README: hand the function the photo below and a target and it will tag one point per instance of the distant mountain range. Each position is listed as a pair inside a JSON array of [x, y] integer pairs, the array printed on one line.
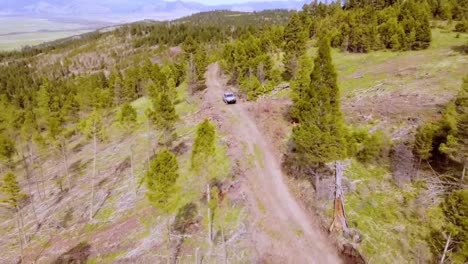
[[128, 10]]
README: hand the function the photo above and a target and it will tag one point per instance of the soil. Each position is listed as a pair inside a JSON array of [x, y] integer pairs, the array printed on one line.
[[281, 230]]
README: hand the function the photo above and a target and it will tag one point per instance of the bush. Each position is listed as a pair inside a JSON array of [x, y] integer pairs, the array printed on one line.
[[252, 87], [367, 147], [127, 115], [456, 212], [7, 148], [185, 216], [461, 26]]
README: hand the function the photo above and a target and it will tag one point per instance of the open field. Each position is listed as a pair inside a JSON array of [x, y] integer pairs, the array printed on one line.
[[397, 91], [16, 32]]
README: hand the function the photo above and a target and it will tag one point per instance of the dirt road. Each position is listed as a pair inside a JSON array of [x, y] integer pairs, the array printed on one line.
[[281, 230]]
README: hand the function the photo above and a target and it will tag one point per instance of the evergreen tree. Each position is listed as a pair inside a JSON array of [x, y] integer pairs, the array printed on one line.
[[161, 180], [190, 46], [12, 198], [455, 209], [12, 191], [127, 115], [295, 39], [300, 86], [456, 145], [132, 84], [43, 102], [164, 117], [7, 148], [424, 140], [319, 137], [201, 62], [204, 145], [251, 86], [116, 85], [414, 18]]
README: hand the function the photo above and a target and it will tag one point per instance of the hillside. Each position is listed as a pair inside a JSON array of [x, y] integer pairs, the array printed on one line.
[[116, 147]]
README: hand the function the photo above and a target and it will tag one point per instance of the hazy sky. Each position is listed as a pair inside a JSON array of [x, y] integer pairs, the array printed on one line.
[[220, 2]]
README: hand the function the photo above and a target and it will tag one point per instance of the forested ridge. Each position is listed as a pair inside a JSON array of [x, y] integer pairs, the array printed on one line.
[[67, 107]]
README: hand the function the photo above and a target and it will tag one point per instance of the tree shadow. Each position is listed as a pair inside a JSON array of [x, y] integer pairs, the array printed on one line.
[[78, 254], [462, 49]]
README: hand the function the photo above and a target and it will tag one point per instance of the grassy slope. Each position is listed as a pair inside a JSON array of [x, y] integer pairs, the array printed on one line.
[[395, 222], [393, 91], [125, 226]]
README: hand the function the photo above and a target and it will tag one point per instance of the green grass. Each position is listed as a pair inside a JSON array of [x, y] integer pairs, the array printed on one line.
[[141, 105], [439, 64], [105, 213], [106, 258], [394, 227]]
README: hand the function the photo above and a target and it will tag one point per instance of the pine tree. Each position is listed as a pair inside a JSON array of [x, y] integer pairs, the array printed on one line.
[[456, 118], [201, 62], [251, 86], [116, 84], [295, 39], [43, 105], [455, 209], [131, 84], [161, 185], [300, 86], [127, 115], [161, 180], [13, 196], [424, 141], [12, 191], [204, 146], [319, 137], [7, 148], [164, 117]]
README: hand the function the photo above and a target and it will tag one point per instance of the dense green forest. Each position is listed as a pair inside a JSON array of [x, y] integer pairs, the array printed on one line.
[[46, 104]]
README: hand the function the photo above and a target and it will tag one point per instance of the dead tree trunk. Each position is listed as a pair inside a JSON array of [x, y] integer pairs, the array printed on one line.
[[135, 182], [63, 148], [447, 244], [31, 161], [41, 168], [225, 254], [463, 172], [19, 234], [208, 199], [91, 210], [21, 222], [339, 221], [196, 255], [168, 245], [150, 144], [28, 179]]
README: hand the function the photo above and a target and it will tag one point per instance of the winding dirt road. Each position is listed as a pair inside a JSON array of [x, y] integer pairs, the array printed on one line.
[[281, 230]]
